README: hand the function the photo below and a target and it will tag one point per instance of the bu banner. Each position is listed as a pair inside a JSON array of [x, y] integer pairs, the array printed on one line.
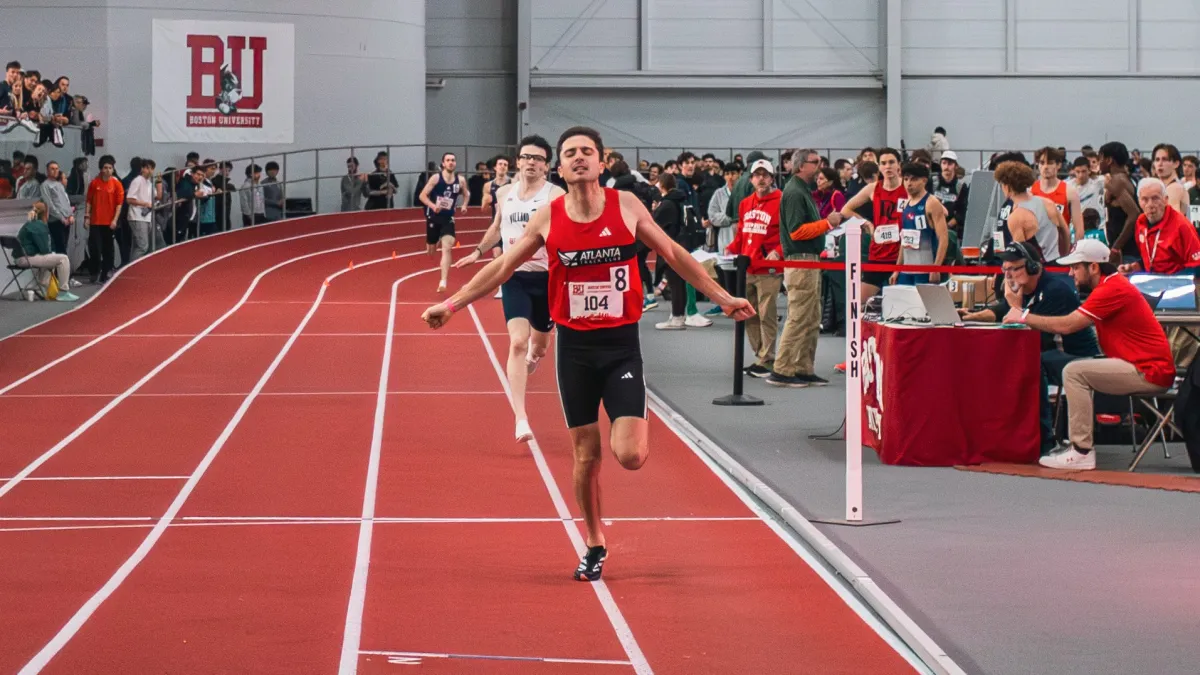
[[223, 82]]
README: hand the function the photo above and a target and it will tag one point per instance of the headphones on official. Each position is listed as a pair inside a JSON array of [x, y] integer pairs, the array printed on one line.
[[1032, 266]]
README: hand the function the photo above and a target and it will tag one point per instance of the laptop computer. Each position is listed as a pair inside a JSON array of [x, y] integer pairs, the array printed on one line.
[[939, 306]]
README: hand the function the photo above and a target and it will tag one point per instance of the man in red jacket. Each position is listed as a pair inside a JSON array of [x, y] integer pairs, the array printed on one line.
[[757, 238], [1168, 243], [1166, 238]]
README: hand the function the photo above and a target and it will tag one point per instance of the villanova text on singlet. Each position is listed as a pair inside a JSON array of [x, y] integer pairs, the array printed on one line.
[[515, 214], [594, 279], [445, 194], [887, 205], [918, 239]]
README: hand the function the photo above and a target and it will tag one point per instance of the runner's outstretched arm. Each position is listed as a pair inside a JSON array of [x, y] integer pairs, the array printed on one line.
[[494, 273], [681, 261], [490, 238]]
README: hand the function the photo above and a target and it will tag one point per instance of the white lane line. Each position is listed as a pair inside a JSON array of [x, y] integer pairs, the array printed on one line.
[[348, 302], [64, 635], [170, 296], [206, 394], [102, 412], [716, 459], [384, 519], [255, 335], [620, 626], [406, 658], [352, 631], [259, 522], [61, 478]]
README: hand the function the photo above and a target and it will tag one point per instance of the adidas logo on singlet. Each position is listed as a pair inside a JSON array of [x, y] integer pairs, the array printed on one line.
[[605, 233]]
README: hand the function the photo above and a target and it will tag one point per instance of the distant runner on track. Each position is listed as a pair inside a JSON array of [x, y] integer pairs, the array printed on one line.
[[595, 297], [526, 304]]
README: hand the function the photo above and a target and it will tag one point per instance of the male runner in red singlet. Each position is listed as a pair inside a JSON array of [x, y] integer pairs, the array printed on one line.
[[888, 196], [595, 297]]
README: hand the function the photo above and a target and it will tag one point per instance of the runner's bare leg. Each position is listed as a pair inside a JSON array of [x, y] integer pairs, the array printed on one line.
[[447, 257], [518, 371], [629, 440], [586, 476]]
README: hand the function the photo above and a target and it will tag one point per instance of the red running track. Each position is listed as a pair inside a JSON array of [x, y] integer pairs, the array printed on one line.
[[189, 491]]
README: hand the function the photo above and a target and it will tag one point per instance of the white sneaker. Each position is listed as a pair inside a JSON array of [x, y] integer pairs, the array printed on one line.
[[524, 433], [1070, 460], [674, 323], [697, 321], [75, 283]]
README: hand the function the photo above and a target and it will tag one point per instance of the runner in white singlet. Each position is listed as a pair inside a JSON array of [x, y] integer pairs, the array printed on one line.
[[526, 307]]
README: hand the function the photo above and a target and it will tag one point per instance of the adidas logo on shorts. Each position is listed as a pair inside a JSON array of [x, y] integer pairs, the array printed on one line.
[[627, 376]]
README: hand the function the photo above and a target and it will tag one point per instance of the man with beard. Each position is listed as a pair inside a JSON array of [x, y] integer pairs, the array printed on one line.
[[1137, 356]]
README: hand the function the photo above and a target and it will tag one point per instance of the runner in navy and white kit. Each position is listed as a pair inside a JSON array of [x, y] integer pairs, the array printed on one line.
[[595, 298], [499, 167], [526, 306], [439, 196]]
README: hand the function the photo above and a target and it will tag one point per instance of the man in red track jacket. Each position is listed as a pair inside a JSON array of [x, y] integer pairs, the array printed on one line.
[[1168, 243], [757, 238], [1165, 237]]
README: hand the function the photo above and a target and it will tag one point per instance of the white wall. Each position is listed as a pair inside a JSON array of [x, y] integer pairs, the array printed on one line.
[[471, 46], [715, 119], [1061, 77]]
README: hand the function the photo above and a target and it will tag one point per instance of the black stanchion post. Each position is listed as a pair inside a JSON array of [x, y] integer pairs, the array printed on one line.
[[739, 347]]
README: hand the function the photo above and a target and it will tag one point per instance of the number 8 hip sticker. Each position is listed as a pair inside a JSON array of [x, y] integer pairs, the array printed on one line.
[[620, 278]]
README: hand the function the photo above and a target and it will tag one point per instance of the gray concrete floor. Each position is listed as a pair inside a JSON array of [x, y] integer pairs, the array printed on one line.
[[1010, 575], [17, 314]]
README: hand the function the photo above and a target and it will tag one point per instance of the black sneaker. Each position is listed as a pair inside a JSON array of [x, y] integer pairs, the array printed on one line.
[[814, 380], [794, 381], [757, 371], [591, 564]]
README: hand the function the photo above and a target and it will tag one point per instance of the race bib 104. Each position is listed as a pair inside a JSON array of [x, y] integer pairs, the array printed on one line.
[[590, 299]]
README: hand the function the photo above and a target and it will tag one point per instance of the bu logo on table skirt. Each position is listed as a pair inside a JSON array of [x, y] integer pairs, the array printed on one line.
[[872, 375]]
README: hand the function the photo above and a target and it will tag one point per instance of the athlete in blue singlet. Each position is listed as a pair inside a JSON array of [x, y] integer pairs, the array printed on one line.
[[439, 196], [924, 239]]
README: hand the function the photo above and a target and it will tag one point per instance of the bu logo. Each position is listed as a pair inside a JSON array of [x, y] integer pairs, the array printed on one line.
[[227, 92]]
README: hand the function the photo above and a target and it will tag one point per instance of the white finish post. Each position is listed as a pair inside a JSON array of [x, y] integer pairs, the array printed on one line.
[[852, 245]]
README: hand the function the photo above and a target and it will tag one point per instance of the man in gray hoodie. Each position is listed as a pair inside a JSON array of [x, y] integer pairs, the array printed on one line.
[[62, 214]]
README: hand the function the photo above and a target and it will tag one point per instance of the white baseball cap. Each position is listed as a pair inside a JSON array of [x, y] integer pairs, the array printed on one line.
[[950, 155], [764, 164], [1086, 251]]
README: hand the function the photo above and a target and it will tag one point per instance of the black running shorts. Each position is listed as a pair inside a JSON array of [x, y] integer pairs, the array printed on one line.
[[600, 366], [524, 296], [436, 228]]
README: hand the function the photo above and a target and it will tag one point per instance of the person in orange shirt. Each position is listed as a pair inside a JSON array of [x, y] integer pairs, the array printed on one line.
[[105, 196]]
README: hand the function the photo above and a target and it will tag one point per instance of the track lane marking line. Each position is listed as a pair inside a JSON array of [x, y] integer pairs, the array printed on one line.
[[103, 412], [352, 629], [170, 296], [76, 622], [619, 625]]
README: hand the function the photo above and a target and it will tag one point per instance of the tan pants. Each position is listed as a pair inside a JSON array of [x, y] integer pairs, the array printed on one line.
[[56, 262], [762, 290], [798, 341], [1107, 376]]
